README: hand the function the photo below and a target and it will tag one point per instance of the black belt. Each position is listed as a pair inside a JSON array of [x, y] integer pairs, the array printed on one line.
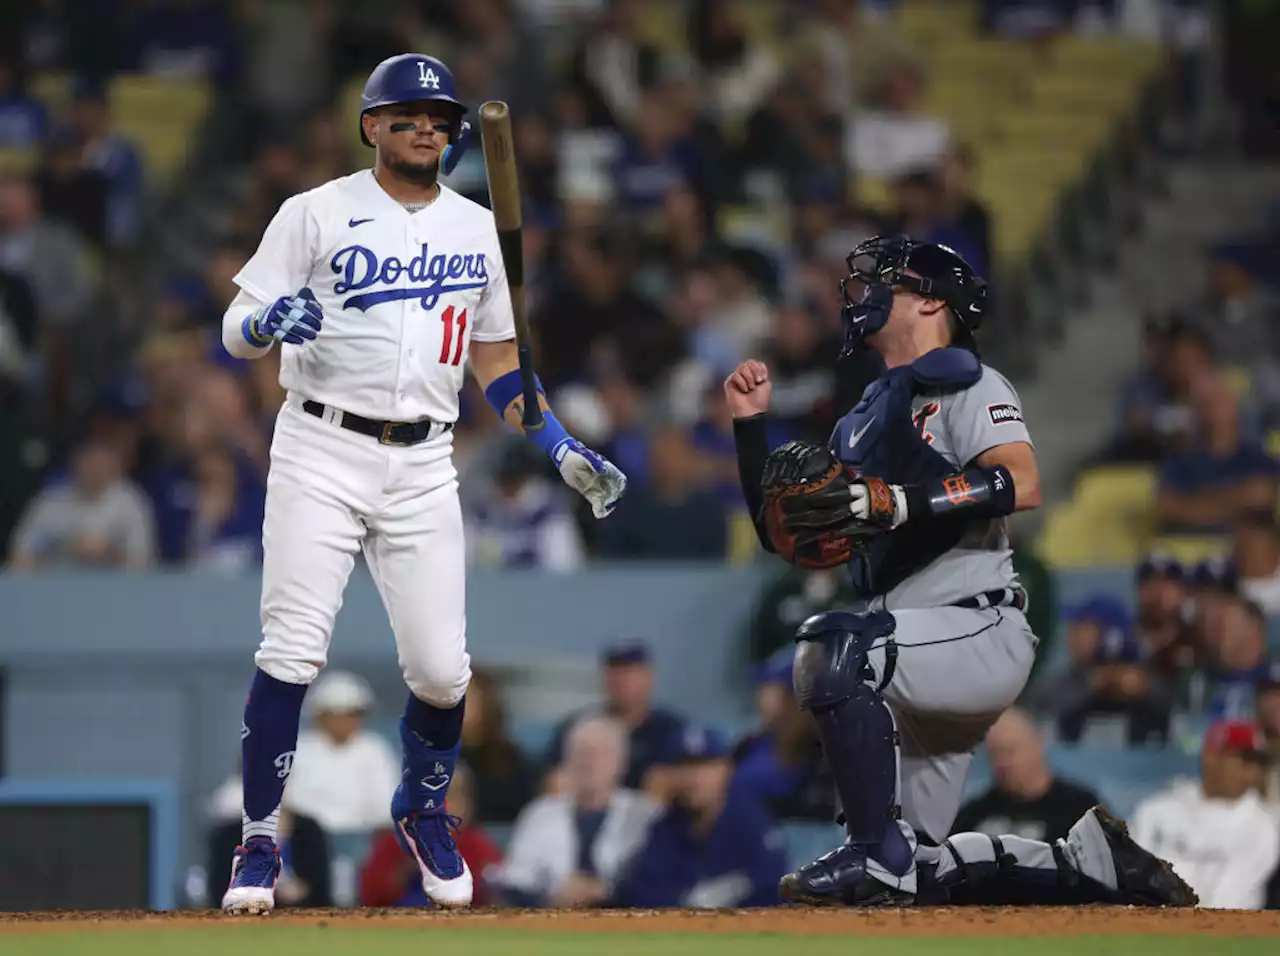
[[1000, 597], [389, 433]]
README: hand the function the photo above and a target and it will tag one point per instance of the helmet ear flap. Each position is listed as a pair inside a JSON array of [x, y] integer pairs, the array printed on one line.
[[457, 146]]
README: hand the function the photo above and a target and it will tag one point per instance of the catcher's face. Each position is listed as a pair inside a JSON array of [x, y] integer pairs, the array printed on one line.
[[909, 310], [411, 137]]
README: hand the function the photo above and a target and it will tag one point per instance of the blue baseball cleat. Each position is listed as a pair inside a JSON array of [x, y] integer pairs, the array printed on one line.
[[255, 869], [427, 836], [840, 878]]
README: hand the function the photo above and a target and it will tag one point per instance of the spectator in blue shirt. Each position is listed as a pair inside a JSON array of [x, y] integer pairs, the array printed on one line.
[[209, 511], [658, 157], [1120, 685], [1210, 486], [1239, 658], [652, 732], [113, 157], [23, 120], [781, 765], [716, 846]]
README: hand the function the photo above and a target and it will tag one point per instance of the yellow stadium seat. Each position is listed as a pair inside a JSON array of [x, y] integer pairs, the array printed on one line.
[[1111, 56], [18, 162], [52, 89], [1273, 443], [1109, 518], [663, 24], [744, 545], [161, 115]]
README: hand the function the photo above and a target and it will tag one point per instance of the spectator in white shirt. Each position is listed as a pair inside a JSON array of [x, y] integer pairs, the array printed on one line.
[[1266, 703], [342, 775], [1256, 555], [98, 519], [567, 849], [896, 136], [1217, 832]]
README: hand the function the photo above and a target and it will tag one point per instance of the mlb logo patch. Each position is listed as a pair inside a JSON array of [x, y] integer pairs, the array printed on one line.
[[1004, 413]]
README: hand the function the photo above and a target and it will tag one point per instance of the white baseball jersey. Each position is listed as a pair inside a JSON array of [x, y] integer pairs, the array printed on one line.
[[403, 295]]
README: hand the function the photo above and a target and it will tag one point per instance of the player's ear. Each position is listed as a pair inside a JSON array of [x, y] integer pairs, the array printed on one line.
[[369, 123]]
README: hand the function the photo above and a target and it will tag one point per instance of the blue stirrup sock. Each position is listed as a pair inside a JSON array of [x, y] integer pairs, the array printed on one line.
[[430, 738], [504, 389], [268, 739]]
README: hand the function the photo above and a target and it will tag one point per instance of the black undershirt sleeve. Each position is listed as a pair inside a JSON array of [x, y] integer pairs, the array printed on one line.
[[752, 445]]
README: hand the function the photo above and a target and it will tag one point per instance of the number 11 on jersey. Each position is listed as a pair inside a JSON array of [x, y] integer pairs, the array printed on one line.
[[447, 317]]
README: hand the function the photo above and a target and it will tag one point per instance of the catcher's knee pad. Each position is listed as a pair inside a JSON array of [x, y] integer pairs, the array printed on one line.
[[834, 680], [831, 656]]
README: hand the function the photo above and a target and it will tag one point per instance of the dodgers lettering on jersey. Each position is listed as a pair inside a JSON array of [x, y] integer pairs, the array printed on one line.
[[403, 295], [907, 432]]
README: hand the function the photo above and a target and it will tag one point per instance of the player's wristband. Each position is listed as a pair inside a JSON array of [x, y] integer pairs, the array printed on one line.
[[506, 388], [249, 329], [976, 492]]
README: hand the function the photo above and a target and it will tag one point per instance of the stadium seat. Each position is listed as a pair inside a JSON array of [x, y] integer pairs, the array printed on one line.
[[162, 116], [1107, 521]]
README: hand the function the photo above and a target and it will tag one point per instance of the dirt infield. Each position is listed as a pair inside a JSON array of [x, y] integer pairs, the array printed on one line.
[[941, 921]]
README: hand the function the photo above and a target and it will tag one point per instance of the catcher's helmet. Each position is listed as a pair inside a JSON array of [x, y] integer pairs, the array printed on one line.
[[879, 264], [408, 78]]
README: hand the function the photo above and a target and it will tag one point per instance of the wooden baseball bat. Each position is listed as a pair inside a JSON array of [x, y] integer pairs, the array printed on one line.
[[504, 199]]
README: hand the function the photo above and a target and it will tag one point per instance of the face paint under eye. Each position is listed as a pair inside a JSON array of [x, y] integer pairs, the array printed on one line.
[[408, 127]]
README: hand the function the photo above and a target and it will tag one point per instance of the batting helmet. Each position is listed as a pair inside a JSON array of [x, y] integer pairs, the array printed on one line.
[[408, 78], [879, 264]]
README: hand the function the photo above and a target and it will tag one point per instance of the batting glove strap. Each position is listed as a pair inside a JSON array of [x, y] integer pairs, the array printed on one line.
[[250, 327]]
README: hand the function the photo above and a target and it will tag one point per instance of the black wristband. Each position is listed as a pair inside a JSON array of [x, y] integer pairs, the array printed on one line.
[[976, 492], [751, 442]]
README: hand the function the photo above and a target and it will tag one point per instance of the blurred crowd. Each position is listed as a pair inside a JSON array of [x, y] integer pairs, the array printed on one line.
[[129, 440]]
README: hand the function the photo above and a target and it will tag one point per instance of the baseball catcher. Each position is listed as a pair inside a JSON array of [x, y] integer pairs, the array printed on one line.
[[912, 494]]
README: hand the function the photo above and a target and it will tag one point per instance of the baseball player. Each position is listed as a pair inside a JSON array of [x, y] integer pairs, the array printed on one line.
[[380, 287], [912, 492]]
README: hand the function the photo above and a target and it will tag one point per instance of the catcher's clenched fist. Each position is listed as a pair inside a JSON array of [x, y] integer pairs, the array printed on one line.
[[747, 389]]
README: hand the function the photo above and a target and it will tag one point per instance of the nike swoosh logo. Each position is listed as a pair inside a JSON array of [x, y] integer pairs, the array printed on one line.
[[358, 222], [857, 436]]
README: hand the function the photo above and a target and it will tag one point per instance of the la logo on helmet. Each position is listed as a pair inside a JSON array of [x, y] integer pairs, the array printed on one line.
[[427, 77]]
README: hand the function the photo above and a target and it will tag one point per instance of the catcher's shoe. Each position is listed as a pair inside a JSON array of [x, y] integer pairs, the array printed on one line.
[[840, 878], [427, 837], [1141, 877], [255, 869]]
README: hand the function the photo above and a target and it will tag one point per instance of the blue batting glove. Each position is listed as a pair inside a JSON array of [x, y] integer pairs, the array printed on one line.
[[590, 474], [295, 319]]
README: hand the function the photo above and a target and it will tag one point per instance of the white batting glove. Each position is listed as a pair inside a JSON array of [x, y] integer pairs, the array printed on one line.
[[591, 475]]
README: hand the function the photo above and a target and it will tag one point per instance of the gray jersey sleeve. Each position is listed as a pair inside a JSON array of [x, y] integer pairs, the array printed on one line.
[[983, 416]]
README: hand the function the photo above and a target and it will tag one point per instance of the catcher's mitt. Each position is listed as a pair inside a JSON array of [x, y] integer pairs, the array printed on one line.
[[807, 498]]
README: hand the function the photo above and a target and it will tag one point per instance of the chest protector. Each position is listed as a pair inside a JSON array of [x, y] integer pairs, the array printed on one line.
[[878, 438]]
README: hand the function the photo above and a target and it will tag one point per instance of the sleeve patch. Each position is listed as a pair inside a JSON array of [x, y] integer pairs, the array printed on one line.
[[1003, 412]]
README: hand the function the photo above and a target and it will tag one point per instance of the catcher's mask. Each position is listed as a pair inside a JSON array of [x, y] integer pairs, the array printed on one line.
[[878, 269]]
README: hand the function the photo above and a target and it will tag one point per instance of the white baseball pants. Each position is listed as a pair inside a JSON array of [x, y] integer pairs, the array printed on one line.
[[332, 492]]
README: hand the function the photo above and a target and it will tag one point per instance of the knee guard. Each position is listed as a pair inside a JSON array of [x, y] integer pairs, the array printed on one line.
[[834, 680]]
